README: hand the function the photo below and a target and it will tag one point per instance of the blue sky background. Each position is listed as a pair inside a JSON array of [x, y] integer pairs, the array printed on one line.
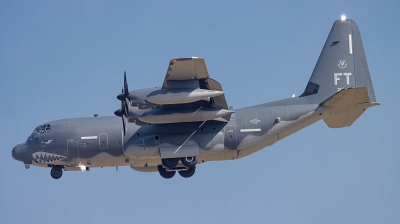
[[64, 59]]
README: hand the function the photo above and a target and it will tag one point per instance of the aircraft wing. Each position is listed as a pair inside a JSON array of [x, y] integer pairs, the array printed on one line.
[[188, 94], [181, 69]]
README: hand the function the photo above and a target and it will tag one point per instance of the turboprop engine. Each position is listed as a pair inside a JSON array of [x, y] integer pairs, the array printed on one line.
[[183, 100], [181, 96], [151, 97]]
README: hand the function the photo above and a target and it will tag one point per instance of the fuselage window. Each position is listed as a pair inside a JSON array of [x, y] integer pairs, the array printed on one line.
[[230, 133], [47, 128]]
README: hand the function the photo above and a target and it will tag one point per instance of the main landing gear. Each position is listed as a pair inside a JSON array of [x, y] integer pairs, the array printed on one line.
[[170, 167], [56, 172]]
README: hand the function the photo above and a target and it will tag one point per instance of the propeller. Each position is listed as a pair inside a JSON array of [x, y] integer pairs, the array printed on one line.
[[125, 99]]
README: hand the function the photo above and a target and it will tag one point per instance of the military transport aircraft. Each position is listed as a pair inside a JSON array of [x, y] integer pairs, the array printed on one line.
[[187, 121]]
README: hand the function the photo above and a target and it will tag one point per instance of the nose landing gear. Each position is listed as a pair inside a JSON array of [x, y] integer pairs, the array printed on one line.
[[56, 172]]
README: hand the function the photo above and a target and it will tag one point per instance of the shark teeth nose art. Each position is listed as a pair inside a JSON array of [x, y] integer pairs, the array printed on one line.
[[45, 157]]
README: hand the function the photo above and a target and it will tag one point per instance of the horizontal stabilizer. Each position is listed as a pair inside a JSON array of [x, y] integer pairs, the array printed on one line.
[[346, 106]]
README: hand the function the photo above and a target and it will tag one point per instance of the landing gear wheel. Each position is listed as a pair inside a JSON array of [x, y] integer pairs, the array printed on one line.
[[170, 163], [189, 161], [163, 172], [56, 172], [188, 173]]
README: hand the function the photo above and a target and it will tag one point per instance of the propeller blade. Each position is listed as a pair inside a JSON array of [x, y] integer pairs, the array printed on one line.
[[126, 107], [121, 111], [125, 100], [124, 123], [126, 91]]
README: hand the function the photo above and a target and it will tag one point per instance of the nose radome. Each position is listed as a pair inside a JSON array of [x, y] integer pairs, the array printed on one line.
[[14, 154], [19, 151]]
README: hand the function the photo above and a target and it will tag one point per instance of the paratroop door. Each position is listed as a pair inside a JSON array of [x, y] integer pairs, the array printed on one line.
[[230, 137]]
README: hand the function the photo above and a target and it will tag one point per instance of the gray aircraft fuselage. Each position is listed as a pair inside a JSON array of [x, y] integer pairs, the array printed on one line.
[[99, 141]]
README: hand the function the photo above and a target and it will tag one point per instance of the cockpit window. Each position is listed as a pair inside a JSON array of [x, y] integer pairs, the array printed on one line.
[[44, 128]]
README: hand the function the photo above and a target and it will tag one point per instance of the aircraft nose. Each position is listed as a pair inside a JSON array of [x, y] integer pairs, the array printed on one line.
[[14, 153], [19, 151]]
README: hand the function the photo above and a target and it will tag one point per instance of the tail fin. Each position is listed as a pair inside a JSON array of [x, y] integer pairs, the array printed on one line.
[[342, 63]]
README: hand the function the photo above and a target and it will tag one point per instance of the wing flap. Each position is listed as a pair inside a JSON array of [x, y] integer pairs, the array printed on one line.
[[219, 101]]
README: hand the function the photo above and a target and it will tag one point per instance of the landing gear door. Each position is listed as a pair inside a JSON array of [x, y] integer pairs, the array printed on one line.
[[230, 137]]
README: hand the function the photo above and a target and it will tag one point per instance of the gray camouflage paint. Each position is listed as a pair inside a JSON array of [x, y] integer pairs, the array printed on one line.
[[99, 141]]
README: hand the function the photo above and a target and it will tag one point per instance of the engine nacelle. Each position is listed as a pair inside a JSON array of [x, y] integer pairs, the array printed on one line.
[[138, 98], [181, 96]]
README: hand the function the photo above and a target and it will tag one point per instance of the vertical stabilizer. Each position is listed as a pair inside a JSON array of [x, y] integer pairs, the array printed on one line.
[[342, 63]]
